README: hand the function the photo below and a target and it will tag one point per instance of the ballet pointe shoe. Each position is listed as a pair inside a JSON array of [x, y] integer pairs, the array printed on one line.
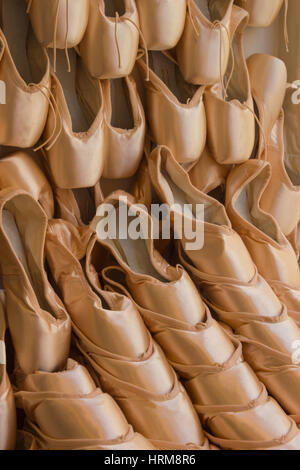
[[58, 24], [233, 288], [203, 49], [114, 27], [268, 80], [124, 128], [38, 323], [131, 367], [74, 132], [183, 326], [283, 189], [19, 170], [268, 93], [262, 13], [270, 250], [7, 403], [175, 109], [25, 80], [229, 108], [66, 411], [161, 23]]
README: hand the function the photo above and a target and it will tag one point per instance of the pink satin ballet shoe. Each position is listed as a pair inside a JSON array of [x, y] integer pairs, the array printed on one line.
[[60, 23], [268, 80], [270, 250], [161, 23], [229, 108], [175, 109], [114, 26], [204, 48], [283, 189], [25, 79], [38, 323], [74, 132], [262, 13], [124, 128]]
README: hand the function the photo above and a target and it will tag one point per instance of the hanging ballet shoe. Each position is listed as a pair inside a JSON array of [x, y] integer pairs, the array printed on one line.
[[59, 24], [114, 26], [74, 132], [114, 340], [175, 109], [262, 13], [19, 170], [204, 48], [38, 323], [229, 108], [7, 403], [25, 79], [161, 23], [124, 128], [268, 80], [234, 289], [66, 411]]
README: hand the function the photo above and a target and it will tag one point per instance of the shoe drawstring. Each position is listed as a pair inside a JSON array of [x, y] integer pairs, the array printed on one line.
[[261, 130], [285, 29], [55, 33], [219, 25], [55, 111], [28, 6], [125, 18]]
